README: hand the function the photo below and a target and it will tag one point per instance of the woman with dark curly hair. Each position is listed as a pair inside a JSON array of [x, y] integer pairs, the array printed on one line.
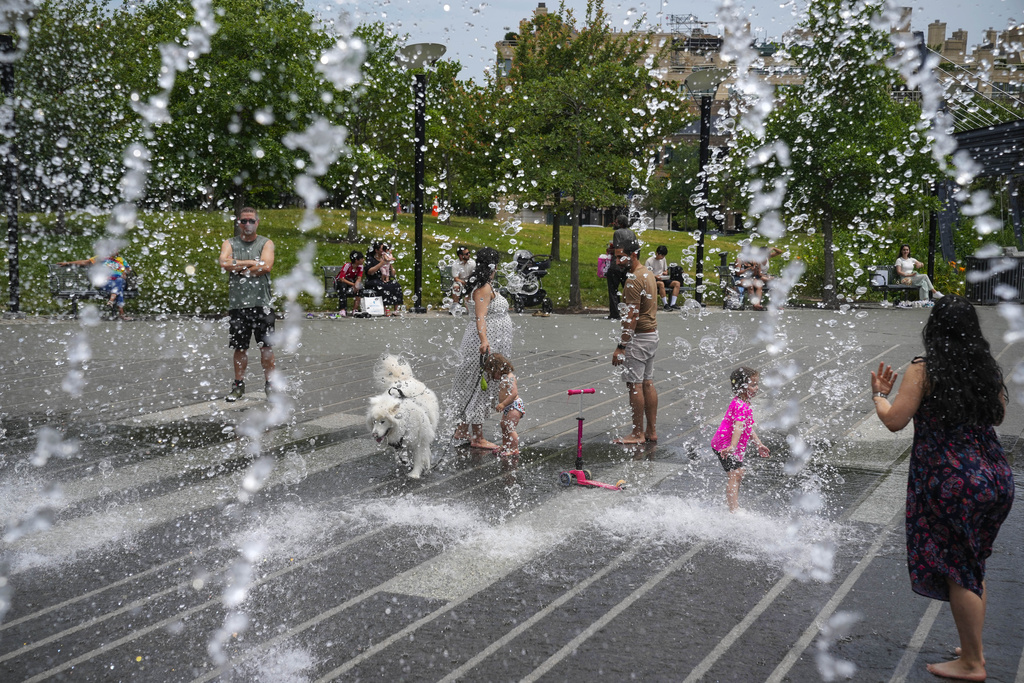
[[488, 329], [960, 487], [380, 278]]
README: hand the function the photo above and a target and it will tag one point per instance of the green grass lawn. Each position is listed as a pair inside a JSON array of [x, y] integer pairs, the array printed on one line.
[[167, 242]]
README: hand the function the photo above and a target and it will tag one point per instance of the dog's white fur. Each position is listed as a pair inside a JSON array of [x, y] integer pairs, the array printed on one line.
[[404, 414]]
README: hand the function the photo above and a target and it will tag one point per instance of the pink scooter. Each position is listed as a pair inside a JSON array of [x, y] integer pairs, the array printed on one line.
[[578, 475]]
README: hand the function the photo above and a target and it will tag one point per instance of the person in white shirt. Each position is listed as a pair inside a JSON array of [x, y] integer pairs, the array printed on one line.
[[658, 265], [461, 270], [906, 270]]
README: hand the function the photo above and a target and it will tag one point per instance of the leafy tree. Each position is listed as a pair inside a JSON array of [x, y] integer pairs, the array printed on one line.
[[463, 124], [675, 182], [858, 158], [231, 108], [583, 115], [72, 118], [377, 117]]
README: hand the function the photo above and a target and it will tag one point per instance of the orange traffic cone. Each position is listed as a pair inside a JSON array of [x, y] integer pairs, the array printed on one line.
[[433, 211]]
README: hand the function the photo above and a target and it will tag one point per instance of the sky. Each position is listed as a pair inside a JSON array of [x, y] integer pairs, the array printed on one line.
[[470, 28]]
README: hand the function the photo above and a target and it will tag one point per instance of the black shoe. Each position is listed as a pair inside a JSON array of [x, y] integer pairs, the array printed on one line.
[[236, 392], [613, 317], [269, 389]]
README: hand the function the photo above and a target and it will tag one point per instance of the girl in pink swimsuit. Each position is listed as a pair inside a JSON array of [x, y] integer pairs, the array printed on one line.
[[736, 430]]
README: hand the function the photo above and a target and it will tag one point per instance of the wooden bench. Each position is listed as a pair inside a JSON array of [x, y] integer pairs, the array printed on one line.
[[73, 284], [884, 279]]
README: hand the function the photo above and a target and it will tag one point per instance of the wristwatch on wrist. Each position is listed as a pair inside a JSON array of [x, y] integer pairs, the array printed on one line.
[[234, 262], [880, 394], [620, 345]]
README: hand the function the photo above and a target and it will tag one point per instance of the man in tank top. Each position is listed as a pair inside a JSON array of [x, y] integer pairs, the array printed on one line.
[[248, 259]]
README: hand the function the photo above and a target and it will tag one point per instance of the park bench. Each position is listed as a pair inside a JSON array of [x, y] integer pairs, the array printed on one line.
[[446, 280], [330, 275], [73, 284], [884, 279], [675, 272], [732, 295]]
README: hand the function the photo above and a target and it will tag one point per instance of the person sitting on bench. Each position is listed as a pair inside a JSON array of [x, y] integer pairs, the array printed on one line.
[[350, 281], [658, 265], [119, 271], [379, 275], [905, 269]]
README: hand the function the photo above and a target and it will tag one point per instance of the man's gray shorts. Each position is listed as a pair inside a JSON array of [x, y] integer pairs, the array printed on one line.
[[639, 363]]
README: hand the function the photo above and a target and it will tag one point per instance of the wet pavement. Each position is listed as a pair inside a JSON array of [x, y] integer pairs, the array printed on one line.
[[142, 543]]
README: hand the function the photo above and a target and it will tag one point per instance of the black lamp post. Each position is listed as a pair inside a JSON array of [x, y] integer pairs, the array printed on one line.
[[10, 172], [702, 86], [420, 56]]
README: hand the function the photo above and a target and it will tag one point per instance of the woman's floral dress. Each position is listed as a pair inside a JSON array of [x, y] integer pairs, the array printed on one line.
[[959, 491]]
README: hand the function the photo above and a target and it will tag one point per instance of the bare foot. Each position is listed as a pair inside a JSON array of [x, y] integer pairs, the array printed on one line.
[[631, 440], [957, 670], [957, 651], [652, 438], [482, 443]]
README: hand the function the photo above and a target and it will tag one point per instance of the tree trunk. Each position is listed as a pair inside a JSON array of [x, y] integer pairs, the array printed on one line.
[[575, 299], [239, 202], [353, 223], [446, 193], [556, 227], [353, 210], [830, 297]]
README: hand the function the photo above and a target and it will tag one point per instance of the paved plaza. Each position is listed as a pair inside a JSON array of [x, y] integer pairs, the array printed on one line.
[[156, 533]]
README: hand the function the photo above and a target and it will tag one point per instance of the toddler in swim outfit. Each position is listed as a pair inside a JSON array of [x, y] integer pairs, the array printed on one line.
[[509, 404], [736, 430]]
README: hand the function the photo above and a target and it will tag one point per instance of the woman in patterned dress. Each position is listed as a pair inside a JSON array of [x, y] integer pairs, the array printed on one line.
[[960, 487], [488, 329]]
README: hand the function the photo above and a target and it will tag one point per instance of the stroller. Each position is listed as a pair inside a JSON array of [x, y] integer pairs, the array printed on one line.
[[531, 269]]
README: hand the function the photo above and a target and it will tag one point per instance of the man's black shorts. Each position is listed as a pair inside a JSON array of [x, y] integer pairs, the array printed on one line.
[[729, 462], [251, 322]]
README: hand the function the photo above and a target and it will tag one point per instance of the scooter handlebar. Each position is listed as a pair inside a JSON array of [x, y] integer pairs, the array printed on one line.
[[574, 392]]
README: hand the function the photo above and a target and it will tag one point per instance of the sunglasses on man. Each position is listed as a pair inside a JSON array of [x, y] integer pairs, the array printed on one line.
[[247, 221]]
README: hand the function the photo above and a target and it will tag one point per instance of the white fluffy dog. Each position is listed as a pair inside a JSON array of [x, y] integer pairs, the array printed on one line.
[[404, 414]]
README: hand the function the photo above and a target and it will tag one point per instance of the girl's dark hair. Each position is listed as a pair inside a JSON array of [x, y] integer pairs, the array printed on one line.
[[899, 254], [486, 262], [355, 256], [964, 380], [741, 377], [377, 244], [496, 361]]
